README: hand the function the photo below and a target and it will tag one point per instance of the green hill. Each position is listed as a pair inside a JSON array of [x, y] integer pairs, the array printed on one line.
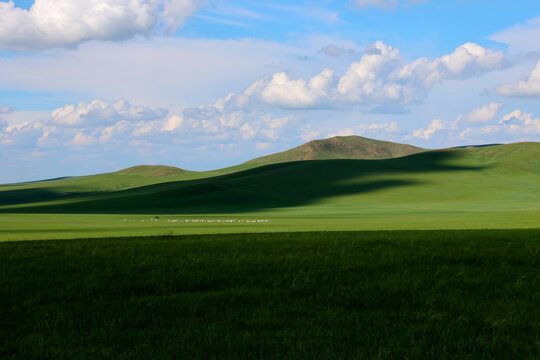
[[340, 147], [70, 187], [498, 177], [353, 147]]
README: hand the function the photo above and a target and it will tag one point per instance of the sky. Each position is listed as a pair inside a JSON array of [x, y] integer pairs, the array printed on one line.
[[92, 86]]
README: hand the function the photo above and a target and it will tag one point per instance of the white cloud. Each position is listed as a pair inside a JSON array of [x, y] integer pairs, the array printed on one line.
[[516, 116], [466, 61], [379, 77], [109, 132], [463, 135], [287, 93], [82, 139], [521, 122], [426, 134], [484, 114], [247, 131], [98, 112], [172, 123], [65, 23], [21, 134], [365, 80], [143, 129], [529, 86], [517, 125]]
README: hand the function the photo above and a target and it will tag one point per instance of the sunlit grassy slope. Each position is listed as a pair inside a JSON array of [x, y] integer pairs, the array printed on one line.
[[504, 176]]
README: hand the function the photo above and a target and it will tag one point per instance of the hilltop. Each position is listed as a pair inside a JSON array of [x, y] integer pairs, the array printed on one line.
[[153, 171], [349, 147], [340, 147]]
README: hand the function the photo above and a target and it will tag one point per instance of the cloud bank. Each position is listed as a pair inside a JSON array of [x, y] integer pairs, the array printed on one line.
[[67, 23], [99, 112], [379, 77]]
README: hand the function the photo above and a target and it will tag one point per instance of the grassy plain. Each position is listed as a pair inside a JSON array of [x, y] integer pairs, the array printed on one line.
[[325, 295], [273, 274], [481, 188]]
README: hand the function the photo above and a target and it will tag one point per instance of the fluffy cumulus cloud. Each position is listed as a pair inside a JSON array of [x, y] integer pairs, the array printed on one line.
[[65, 23], [427, 133], [287, 93], [21, 134], [379, 77], [119, 124], [475, 120], [466, 61], [522, 122], [233, 117], [529, 86], [517, 125], [483, 125], [98, 112], [483, 114], [367, 80]]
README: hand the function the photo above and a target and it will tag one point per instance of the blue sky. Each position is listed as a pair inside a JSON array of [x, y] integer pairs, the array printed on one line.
[[92, 86]]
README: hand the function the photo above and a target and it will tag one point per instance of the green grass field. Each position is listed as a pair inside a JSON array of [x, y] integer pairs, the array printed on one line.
[[431, 255], [325, 295]]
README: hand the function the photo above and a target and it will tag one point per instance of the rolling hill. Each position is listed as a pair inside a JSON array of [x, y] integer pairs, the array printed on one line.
[[497, 177], [350, 147]]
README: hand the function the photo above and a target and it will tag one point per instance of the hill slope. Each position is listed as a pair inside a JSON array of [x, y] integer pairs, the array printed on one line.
[[70, 187], [340, 147], [350, 147], [499, 177]]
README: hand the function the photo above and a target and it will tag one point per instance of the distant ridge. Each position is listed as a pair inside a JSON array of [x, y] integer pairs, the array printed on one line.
[[340, 147], [474, 146], [153, 171]]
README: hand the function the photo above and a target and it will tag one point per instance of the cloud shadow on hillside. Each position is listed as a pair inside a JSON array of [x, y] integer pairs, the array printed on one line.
[[272, 186]]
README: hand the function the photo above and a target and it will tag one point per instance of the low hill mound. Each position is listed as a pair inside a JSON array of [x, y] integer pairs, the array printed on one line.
[[341, 147], [153, 171]]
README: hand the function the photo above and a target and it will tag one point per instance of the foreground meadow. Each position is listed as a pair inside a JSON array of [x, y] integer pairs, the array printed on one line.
[[22, 227], [327, 295]]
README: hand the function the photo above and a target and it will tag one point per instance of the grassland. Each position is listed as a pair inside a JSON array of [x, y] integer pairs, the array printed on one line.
[[272, 273], [325, 295], [480, 188]]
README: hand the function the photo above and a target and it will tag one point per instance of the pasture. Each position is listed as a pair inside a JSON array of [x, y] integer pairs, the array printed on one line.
[[432, 255], [328, 295]]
